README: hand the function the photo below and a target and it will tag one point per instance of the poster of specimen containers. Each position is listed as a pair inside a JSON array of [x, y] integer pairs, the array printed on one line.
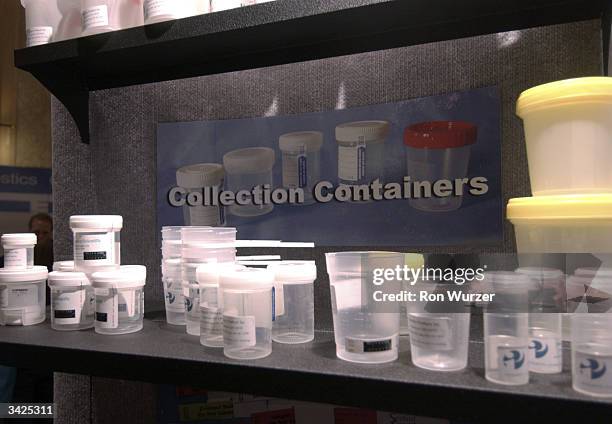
[[418, 172], [56, 20]]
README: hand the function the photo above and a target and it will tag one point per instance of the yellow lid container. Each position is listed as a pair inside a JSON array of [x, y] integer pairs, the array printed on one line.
[[565, 93], [555, 208]]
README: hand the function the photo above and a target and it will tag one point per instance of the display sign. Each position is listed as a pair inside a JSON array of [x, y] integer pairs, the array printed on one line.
[[419, 172]]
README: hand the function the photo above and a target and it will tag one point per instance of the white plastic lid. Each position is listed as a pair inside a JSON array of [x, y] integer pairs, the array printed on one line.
[[171, 233], [209, 273], [63, 266], [126, 276], [97, 222], [68, 279], [30, 275], [18, 240], [246, 279], [200, 175], [289, 272], [252, 160], [309, 141], [366, 131]]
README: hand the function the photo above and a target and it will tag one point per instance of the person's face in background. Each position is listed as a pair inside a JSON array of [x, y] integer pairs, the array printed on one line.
[[43, 231]]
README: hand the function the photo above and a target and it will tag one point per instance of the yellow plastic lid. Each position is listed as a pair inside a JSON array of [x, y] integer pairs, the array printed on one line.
[[574, 207], [564, 93]]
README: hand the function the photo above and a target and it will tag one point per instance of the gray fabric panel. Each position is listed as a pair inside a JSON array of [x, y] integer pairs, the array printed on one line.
[[72, 398], [120, 401]]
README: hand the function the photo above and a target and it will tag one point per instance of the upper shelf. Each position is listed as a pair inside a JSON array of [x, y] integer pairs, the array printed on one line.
[[279, 32]]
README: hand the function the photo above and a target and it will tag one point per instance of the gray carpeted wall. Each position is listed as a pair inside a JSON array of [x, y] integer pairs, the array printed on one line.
[[116, 173]]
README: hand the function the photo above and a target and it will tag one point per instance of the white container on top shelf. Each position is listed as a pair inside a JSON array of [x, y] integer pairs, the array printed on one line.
[[119, 299], [294, 301], [247, 312], [96, 242], [42, 20], [99, 16], [568, 133], [18, 250], [22, 296], [165, 10], [196, 178], [301, 158], [361, 151], [72, 301], [70, 23], [246, 169]]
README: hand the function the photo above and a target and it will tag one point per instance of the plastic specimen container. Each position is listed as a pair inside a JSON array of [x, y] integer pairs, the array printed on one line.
[[301, 158], [592, 354], [22, 296], [568, 134], [438, 150], [18, 250], [196, 178], [119, 299], [165, 10], [171, 242], [173, 291], [294, 293], [247, 312], [99, 16], [364, 330], [73, 301], [97, 245], [70, 23], [219, 5], [361, 151], [246, 169], [64, 266], [42, 19]]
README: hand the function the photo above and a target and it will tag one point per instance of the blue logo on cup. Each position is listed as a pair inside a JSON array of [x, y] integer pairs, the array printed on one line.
[[516, 357], [540, 349], [171, 297], [597, 369], [188, 304]]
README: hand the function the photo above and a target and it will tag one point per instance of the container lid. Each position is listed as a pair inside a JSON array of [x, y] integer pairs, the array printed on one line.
[[366, 131], [248, 161], [294, 271], [68, 279], [309, 141], [126, 276], [246, 279], [440, 135], [564, 93], [171, 233], [30, 275], [540, 272], [208, 235], [18, 240], [200, 175], [567, 207], [209, 273], [64, 266], [97, 222]]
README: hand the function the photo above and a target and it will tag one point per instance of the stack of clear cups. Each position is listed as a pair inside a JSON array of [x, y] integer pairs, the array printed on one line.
[[171, 275], [202, 245]]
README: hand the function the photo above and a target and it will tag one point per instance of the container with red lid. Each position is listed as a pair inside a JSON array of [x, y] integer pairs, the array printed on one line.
[[437, 151]]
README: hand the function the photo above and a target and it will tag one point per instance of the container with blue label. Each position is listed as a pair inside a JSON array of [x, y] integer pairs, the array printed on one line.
[[301, 161], [592, 354]]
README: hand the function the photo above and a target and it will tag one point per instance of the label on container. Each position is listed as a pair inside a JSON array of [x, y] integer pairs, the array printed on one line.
[[127, 303], [18, 296], [278, 299], [155, 8], [107, 311], [545, 354], [211, 320], [430, 332], [593, 371], [355, 345], [67, 306], [351, 162], [239, 331], [38, 35], [94, 17], [295, 171], [15, 258], [511, 361], [94, 248], [90, 303], [175, 301]]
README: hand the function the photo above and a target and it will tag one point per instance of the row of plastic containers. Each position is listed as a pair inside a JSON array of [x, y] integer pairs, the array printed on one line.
[[56, 20], [93, 290]]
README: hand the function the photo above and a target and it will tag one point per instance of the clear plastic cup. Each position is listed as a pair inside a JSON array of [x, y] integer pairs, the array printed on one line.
[[70, 24], [18, 250], [198, 178], [294, 301], [592, 354], [99, 16], [361, 151], [97, 245], [301, 153], [165, 10], [22, 296], [42, 19], [545, 343], [173, 291], [73, 301], [506, 338], [119, 300], [247, 313], [246, 169], [438, 150], [365, 331]]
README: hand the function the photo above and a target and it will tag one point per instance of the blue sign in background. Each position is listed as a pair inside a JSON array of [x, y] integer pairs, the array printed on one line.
[[375, 223]]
